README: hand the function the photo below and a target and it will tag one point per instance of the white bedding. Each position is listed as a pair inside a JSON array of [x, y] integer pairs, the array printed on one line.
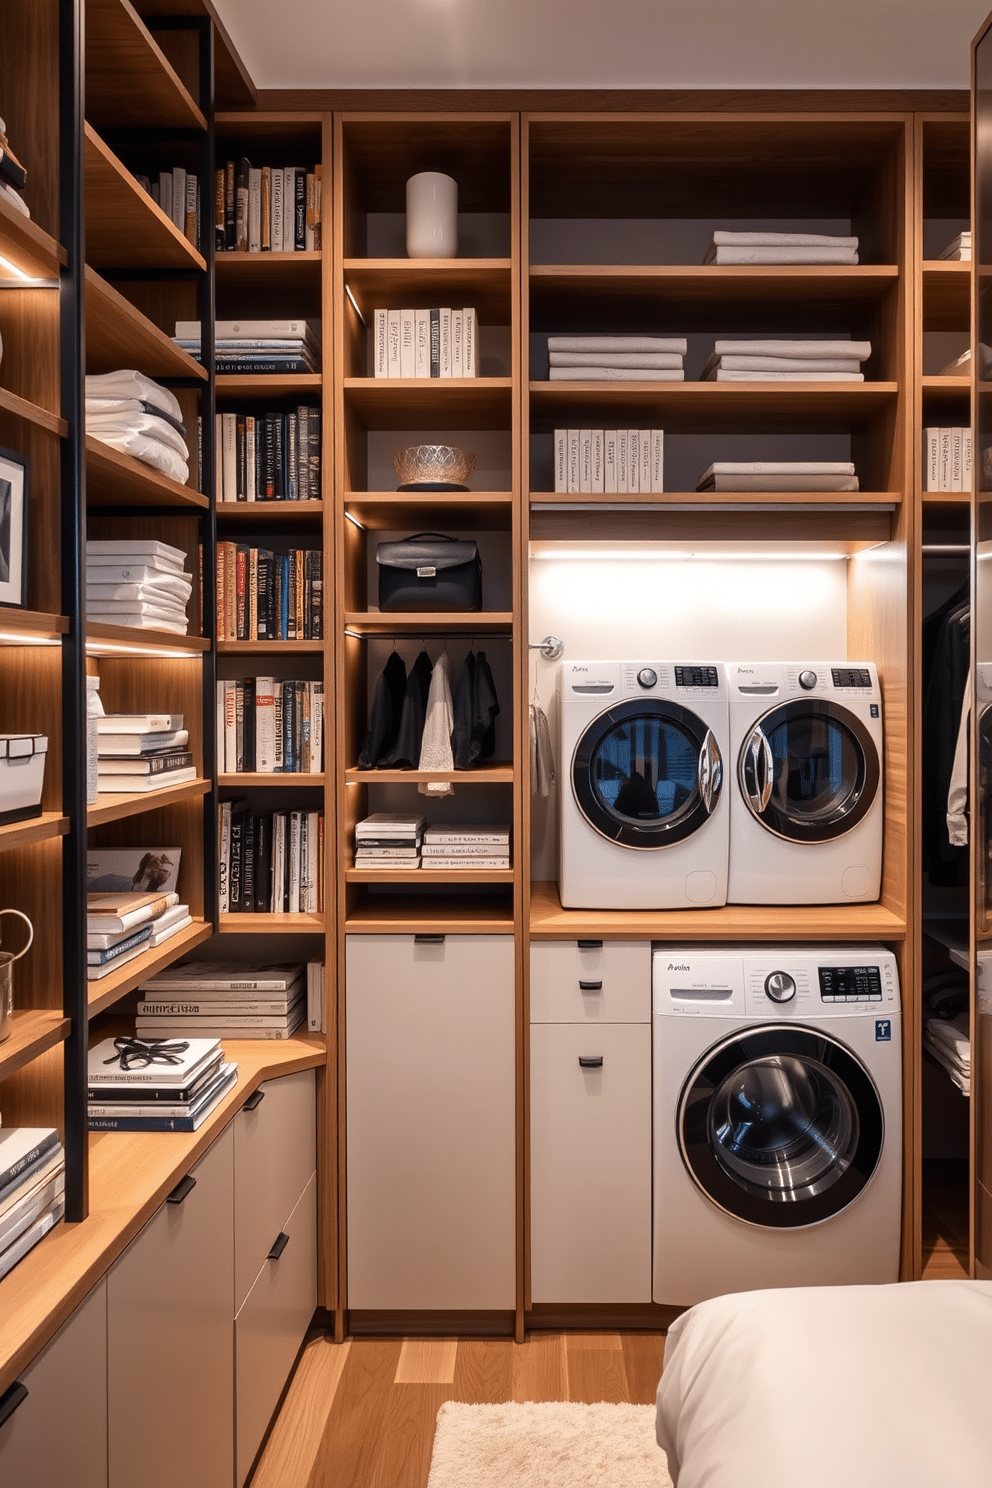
[[832, 1387]]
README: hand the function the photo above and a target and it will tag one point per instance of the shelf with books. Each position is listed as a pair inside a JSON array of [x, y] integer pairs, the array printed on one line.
[[297, 779], [271, 511], [430, 875], [389, 913], [262, 648], [129, 79], [110, 806], [126, 640], [36, 829], [32, 1031], [115, 478], [418, 402], [268, 384], [28, 249], [271, 924], [483, 283], [21, 408], [125, 228], [495, 774], [105, 992], [118, 335]]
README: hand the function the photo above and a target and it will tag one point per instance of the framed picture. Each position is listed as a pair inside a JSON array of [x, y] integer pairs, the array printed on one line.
[[13, 528]]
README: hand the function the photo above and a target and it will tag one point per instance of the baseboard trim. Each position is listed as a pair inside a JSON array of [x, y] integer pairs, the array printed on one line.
[[379, 1323], [628, 1317]]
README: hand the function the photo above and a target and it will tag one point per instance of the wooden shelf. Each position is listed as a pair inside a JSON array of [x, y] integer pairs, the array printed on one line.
[[269, 511], [485, 284], [267, 384], [478, 622], [481, 775], [113, 807], [130, 1175], [708, 406], [946, 296], [129, 80], [32, 1031], [272, 924], [556, 286], [484, 511], [724, 500], [548, 920], [946, 393], [103, 993], [31, 413], [246, 274], [31, 627], [121, 640], [408, 914], [299, 780], [118, 335], [117, 479], [27, 247], [261, 648], [946, 498], [430, 875], [36, 829], [233, 85], [422, 402], [124, 227]]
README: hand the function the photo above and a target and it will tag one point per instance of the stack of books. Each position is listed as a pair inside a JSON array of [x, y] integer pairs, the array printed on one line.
[[616, 358], [781, 248], [621, 460], [779, 475], [138, 1084], [32, 1189], [947, 459], [787, 361], [120, 926], [257, 346], [270, 862], [264, 595], [177, 192], [390, 840], [267, 209], [958, 251], [137, 582], [142, 752], [219, 999], [13, 176], [270, 726], [467, 847], [268, 457], [426, 343]]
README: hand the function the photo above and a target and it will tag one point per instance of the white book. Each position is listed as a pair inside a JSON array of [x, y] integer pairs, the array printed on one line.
[[234, 1029], [779, 483], [104, 1069], [278, 904], [230, 727], [677, 344], [278, 753], [407, 343], [464, 850], [463, 863], [657, 459], [293, 904], [484, 832], [251, 481], [394, 362], [573, 480], [597, 460], [165, 192], [780, 255], [220, 741], [395, 823], [139, 723], [380, 360], [595, 372], [255, 210], [162, 933], [316, 726], [471, 340], [230, 456], [145, 571], [458, 343], [422, 343], [126, 784], [265, 725], [219, 456], [444, 328], [274, 331], [633, 461], [275, 226], [315, 997], [313, 862], [30, 1237], [585, 460], [135, 744], [723, 376], [96, 973], [966, 459], [267, 978], [134, 550], [660, 360], [944, 470], [610, 461], [644, 443], [724, 236], [178, 212], [38, 1195], [224, 855], [289, 209], [956, 469], [623, 453], [781, 364], [794, 348], [560, 452], [780, 467]]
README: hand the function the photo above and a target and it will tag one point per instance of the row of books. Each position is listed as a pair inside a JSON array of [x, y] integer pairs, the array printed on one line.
[[616, 358], [426, 343], [270, 862], [221, 1000], [392, 840], [256, 346], [177, 192], [947, 459], [268, 208], [781, 248], [156, 1083], [269, 596], [13, 176], [137, 582], [270, 725], [123, 925], [142, 751], [32, 1189], [268, 456], [621, 460]]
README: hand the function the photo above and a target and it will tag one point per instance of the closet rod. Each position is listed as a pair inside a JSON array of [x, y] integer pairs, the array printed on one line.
[[947, 547], [427, 635]]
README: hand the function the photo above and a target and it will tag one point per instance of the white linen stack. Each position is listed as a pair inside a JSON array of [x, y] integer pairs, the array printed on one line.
[[139, 583], [949, 1043], [779, 475], [787, 361], [781, 248], [959, 250], [133, 414], [616, 358]]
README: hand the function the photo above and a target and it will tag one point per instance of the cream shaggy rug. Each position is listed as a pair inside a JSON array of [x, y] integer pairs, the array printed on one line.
[[547, 1446]]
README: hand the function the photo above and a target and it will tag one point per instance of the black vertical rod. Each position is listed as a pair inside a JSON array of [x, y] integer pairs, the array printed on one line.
[[73, 543], [208, 522]]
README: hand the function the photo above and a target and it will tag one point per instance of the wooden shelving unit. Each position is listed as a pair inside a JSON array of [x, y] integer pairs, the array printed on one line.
[[129, 79], [124, 227], [113, 477], [116, 331], [31, 1033], [107, 991]]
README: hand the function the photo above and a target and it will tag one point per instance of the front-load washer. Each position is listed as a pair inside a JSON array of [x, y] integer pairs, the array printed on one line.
[[644, 817], [777, 1118], [806, 793]]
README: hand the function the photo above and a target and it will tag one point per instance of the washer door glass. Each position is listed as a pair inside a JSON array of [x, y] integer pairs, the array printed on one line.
[[809, 771], [647, 773], [781, 1127]]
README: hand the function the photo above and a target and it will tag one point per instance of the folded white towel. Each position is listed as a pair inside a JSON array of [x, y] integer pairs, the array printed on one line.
[[148, 424], [768, 255], [150, 451], [721, 376], [797, 347], [130, 384], [595, 344], [779, 467], [732, 362], [669, 359], [615, 374], [723, 237]]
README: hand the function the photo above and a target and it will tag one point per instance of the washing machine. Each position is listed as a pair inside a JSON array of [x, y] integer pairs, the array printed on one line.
[[644, 818], [777, 1118], [806, 791]]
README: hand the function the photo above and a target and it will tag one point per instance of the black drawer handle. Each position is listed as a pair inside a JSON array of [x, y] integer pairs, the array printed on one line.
[[428, 939], [589, 945], [591, 1063], [11, 1399], [590, 986], [182, 1190], [254, 1100], [279, 1245]]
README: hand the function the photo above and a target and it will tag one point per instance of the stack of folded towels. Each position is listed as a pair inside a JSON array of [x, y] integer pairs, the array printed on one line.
[[779, 475], [959, 250], [132, 413], [138, 582], [787, 361], [945, 1025], [781, 248], [616, 358]]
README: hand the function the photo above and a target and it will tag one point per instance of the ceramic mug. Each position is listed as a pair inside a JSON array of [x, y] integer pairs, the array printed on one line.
[[431, 216], [7, 960]]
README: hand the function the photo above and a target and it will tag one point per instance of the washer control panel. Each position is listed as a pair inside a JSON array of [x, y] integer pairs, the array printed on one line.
[[850, 983]]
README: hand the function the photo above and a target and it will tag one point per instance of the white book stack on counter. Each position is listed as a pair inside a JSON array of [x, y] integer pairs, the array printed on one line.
[[122, 926], [781, 248], [467, 847], [142, 752], [779, 475], [787, 361], [958, 251], [222, 999], [389, 840], [616, 358], [137, 582], [32, 1189], [155, 1084]]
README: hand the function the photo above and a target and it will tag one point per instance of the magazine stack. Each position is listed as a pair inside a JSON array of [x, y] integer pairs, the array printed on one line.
[[220, 999], [461, 846], [32, 1189], [142, 751], [120, 926], [138, 1084]]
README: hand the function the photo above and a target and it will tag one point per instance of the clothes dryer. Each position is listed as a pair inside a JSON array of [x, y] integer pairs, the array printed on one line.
[[778, 1118], [806, 800], [644, 817]]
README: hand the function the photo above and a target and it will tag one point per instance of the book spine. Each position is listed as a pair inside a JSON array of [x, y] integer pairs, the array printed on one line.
[[292, 456], [300, 210], [422, 343], [294, 862], [224, 857], [241, 205], [240, 631], [237, 860], [966, 459], [230, 464], [610, 460], [313, 445], [255, 210], [230, 727], [275, 231], [560, 455], [220, 242], [574, 460], [317, 726], [585, 461], [393, 343], [263, 870], [435, 343], [277, 433], [318, 174], [633, 460], [444, 342], [380, 362], [239, 714], [288, 208], [265, 210], [247, 868], [956, 467], [657, 459], [241, 455], [191, 225], [470, 337], [311, 209], [230, 200], [299, 564], [458, 343], [408, 343], [944, 478], [622, 458], [644, 478]]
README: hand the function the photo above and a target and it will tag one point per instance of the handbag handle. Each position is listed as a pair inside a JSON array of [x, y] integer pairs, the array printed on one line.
[[414, 536]]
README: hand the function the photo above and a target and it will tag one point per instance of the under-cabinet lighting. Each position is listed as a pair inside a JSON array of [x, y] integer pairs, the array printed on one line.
[[22, 278], [354, 305], [672, 555], [19, 638], [121, 648], [355, 522]]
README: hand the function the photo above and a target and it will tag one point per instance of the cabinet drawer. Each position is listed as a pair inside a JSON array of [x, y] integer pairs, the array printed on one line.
[[57, 1436], [271, 1325], [574, 981], [590, 1163], [275, 1151]]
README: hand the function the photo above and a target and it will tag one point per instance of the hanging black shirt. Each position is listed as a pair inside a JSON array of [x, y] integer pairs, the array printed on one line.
[[387, 709], [405, 754]]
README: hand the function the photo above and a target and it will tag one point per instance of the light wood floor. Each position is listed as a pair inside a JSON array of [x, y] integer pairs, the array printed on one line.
[[945, 1220], [361, 1414]]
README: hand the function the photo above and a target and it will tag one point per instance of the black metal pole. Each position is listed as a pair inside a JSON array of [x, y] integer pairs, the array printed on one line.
[[208, 522]]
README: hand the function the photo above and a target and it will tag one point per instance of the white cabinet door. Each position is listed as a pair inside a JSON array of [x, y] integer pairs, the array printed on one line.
[[275, 1152], [590, 981], [590, 1127], [430, 1109], [170, 1338], [57, 1435]]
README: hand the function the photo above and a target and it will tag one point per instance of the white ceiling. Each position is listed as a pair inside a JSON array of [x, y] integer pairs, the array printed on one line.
[[605, 43]]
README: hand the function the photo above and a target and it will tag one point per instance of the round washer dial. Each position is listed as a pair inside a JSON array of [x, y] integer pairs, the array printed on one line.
[[647, 677], [780, 986]]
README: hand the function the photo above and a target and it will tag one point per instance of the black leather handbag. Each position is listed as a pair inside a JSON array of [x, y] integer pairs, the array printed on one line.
[[429, 572]]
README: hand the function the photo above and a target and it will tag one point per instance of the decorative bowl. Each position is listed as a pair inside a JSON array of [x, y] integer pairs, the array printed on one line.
[[433, 466]]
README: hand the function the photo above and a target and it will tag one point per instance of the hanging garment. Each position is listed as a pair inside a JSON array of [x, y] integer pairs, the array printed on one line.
[[542, 759], [435, 747], [476, 705], [405, 754], [387, 709], [957, 795], [946, 645]]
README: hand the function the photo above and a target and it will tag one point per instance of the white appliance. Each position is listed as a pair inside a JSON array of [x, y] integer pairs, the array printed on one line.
[[644, 816], [806, 793], [777, 1118]]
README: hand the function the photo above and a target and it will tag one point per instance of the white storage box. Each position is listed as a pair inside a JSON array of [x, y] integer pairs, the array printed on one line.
[[22, 775]]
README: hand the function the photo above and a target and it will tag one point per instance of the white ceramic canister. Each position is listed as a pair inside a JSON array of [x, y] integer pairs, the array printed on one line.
[[431, 216], [7, 959]]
